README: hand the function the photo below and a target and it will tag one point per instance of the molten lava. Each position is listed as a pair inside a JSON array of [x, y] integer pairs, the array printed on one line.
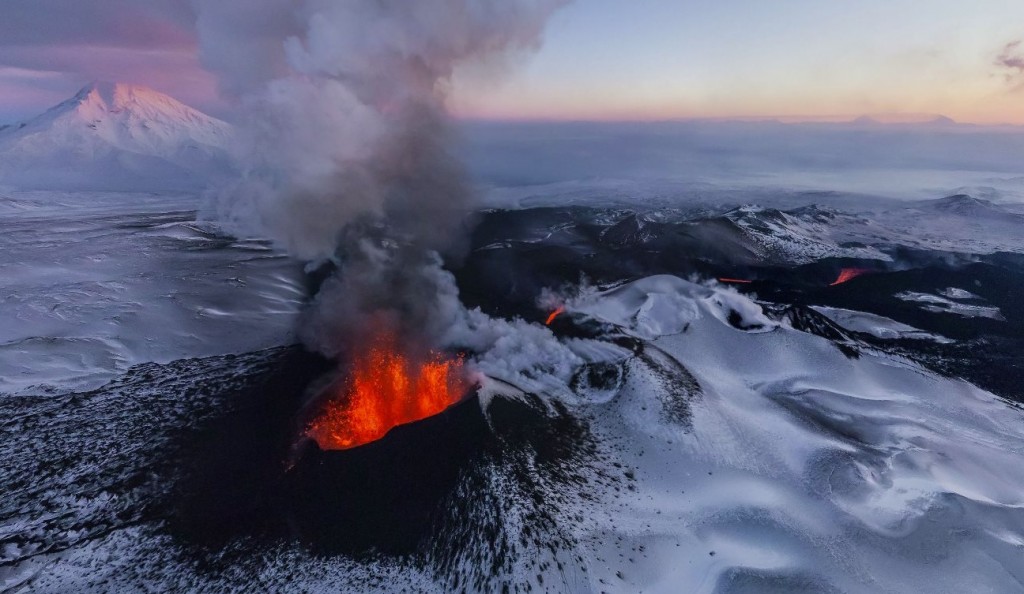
[[738, 281], [387, 389], [554, 314], [848, 274]]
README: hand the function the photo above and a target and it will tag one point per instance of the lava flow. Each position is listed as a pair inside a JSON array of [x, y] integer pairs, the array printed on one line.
[[554, 314], [848, 274], [735, 281], [386, 389]]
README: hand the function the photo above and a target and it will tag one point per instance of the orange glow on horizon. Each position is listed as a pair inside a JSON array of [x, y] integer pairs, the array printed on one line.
[[386, 389]]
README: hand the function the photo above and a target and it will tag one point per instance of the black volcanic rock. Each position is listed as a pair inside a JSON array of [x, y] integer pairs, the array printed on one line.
[[385, 496], [408, 494]]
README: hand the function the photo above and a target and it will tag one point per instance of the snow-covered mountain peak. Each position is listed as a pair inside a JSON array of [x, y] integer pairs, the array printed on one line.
[[110, 132], [132, 117], [117, 98], [108, 97], [960, 202]]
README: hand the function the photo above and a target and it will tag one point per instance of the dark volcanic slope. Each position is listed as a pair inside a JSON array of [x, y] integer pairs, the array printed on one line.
[[517, 254], [189, 473], [115, 451]]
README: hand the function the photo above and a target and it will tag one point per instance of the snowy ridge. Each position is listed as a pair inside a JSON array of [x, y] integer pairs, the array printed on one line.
[[959, 223], [798, 467], [114, 136], [965, 205], [803, 235]]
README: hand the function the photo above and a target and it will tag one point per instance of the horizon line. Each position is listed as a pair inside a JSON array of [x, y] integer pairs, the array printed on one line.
[[878, 119]]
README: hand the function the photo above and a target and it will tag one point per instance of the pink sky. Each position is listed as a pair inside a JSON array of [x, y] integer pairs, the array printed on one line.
[[810, 61]]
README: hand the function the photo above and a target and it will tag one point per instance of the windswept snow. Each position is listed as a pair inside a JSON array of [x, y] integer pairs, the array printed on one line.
[[808, 234], [92, 284], [959, 223], [802, 469], [665, 305], [937, 304], [875, 325]]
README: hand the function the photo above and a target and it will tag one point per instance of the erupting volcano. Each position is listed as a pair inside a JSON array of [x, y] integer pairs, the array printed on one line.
[[554, 315], [386, 389]]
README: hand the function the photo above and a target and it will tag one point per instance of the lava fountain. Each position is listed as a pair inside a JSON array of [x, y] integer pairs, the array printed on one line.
[[553, 315], [387, 388], [848, 274]]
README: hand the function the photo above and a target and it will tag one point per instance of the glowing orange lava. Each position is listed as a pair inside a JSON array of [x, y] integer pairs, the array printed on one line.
[[554, 315], [848, 274], [735, 280], [387, 389]]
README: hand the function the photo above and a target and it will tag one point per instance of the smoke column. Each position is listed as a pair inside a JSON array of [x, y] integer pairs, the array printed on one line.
[[346, 140]]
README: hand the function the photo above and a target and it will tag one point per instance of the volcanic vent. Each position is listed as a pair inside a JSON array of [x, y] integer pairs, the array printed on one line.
[[385, 388]]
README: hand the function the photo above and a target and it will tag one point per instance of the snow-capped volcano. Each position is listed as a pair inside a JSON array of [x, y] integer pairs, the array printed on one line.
[[114, 136]]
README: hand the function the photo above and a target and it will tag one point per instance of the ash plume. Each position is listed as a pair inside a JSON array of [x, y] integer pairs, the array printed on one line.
[[346, 139], [344, 103]]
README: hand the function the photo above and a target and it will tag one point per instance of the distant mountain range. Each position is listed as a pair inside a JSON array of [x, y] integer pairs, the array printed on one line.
[[901, 119], [113, 136]]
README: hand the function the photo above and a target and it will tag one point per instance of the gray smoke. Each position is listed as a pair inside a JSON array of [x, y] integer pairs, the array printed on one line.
[[1011, 58], [344, 106], [347, 147]]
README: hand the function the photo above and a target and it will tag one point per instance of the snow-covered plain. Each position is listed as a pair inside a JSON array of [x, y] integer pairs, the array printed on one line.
[[92, 283], [875, 325]]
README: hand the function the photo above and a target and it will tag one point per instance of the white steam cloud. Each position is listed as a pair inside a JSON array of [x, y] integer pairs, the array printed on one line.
[[345, 109], [348, 158]]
